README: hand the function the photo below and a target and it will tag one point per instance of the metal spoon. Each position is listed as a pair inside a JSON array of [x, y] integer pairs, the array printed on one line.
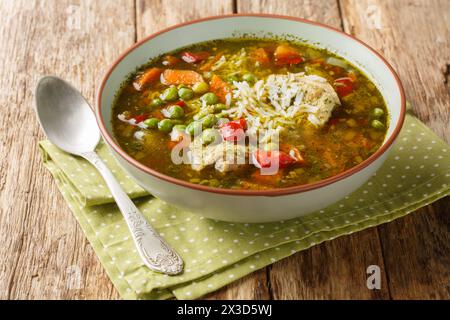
[[69, 123]]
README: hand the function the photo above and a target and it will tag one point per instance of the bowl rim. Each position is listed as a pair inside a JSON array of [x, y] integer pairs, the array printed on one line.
[[268, 192]]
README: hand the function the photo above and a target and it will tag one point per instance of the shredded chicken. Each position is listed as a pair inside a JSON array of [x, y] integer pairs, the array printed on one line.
[[224, 156], [280, 98]]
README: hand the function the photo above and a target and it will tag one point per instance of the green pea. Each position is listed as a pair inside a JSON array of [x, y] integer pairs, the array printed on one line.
[[209, 135], [249, 77], [377, 124], [200, 87], [377, 112], [214, 183], [203, 112], [194, 127], [209, 98], [170, 94], [185, 93], [179, 127], [208, 121], [219, 107], [165, 125], [157, 102], [175, 112], [151, 123], [198, 116]]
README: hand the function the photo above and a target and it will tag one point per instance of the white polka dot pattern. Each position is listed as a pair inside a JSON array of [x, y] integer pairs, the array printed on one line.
[[215, 253]]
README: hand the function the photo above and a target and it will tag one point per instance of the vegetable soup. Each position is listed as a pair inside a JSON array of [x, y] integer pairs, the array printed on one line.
[[312, 114]]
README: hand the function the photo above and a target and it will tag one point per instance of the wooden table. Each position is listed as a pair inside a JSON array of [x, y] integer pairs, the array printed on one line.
[[42, 244]]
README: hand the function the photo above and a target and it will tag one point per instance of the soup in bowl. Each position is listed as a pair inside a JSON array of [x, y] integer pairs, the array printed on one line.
[[250, 118]]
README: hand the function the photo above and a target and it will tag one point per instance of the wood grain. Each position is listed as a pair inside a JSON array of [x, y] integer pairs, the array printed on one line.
[[154, 15], [335, 269], [415, 37], [326, 11], [42, 245], [255, 286], [416, 252], [331, 270]]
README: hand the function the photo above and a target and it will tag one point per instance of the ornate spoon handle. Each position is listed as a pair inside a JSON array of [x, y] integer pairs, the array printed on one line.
[[154, 251]]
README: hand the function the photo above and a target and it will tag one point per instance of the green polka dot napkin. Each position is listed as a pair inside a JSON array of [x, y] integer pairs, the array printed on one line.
[[216, 253]]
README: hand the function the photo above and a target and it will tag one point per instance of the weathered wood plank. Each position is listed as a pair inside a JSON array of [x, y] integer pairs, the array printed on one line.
[[44, 254], [416, 251], [336, 269], [154, 15], [415, 37]]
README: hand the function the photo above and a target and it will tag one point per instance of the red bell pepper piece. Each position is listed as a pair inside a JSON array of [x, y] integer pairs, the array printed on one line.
[[233, 130], [243, 123], [194, 57], [293, 152], [266, 159], [180, 103], [140, 118], [344, 86]]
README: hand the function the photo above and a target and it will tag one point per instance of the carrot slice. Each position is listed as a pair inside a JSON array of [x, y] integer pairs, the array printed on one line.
[[176, 77], [260, 55], [219, 87], [148, 77], [285, 54]]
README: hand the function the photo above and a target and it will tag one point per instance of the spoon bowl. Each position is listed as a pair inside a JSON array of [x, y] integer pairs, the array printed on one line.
[[65, 116]]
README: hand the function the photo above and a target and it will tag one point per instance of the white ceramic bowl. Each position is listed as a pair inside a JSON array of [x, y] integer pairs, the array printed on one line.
[[246, 205]]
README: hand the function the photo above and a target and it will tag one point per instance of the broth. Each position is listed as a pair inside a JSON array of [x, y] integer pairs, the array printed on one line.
[[328, 115]]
